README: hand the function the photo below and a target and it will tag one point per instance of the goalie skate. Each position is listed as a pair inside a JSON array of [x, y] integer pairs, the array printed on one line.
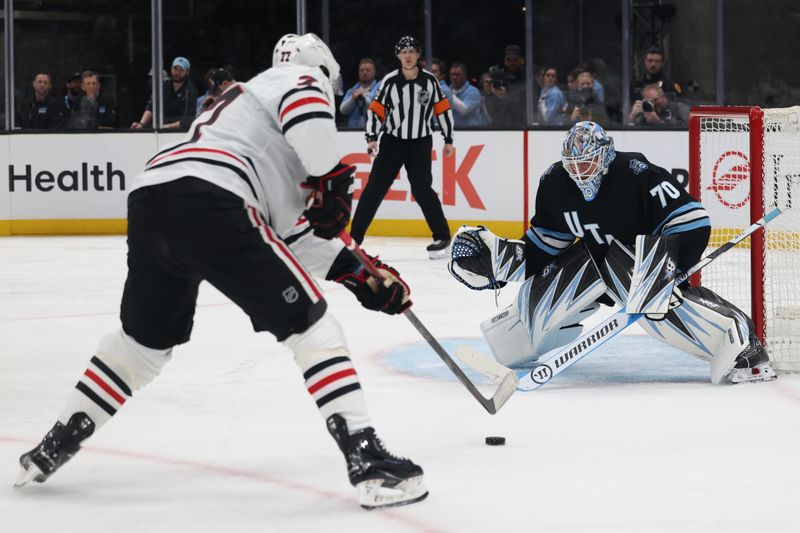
[[760, 372], [382, 479]]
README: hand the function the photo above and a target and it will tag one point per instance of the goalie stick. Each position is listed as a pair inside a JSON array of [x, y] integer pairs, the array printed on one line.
[[508, 382], [558, 360]]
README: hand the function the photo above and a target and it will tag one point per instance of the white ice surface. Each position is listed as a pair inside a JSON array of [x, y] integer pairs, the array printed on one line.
[[632, 439]]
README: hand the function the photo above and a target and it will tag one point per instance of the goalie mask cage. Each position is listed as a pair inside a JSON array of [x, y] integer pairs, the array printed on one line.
[[743, 161]]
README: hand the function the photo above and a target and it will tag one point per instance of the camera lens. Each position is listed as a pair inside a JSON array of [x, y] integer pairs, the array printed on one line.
[[647, 106]]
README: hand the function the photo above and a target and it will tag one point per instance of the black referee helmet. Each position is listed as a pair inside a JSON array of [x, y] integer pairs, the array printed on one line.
[[405, 42]]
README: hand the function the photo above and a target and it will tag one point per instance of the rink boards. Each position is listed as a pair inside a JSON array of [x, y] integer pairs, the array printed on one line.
[[77, 183]]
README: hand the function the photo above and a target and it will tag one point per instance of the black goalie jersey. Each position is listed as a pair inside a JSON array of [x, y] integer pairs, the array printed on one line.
[[635, 198]]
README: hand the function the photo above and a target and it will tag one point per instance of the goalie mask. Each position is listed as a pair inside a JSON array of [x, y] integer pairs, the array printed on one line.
[[586, 155], [308, 50]]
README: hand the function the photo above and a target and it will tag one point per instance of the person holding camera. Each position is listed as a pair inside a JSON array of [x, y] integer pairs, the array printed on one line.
[[582, 103], [506, 102], [655, 109]]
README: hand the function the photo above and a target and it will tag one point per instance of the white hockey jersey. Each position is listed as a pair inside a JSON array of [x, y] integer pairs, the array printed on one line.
[[260, 140]]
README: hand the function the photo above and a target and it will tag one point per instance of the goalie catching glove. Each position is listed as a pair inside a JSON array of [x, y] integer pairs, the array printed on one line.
[[391, 296], [329, 205], [481, 260]]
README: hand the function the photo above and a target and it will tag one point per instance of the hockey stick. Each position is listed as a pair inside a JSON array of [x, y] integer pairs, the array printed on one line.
[[562, 358], [556, 361], [509, 382]]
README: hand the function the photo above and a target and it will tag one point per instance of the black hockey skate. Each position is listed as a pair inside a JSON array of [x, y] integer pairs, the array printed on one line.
[[382, 479], [57, 447], [752, 364], [438, 249]]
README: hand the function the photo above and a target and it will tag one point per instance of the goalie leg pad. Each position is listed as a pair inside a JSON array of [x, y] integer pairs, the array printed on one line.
[[712, 329], [654, 273], [508, 339], [511, 344], [568, 287], [617, 271]]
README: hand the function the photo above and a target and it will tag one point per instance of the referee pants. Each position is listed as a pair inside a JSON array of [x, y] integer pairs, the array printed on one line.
[[394, 153]]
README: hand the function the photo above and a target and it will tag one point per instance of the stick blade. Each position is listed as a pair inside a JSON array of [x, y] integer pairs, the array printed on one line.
[[487, 366]]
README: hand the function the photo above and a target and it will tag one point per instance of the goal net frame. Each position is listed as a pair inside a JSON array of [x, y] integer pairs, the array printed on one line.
[[754, 122]]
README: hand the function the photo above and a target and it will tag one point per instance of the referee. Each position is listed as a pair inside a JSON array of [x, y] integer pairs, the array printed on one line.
[[402, 111]]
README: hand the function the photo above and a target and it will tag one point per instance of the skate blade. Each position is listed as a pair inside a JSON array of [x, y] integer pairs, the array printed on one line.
[[373, 495], [26, 475], [440, 254], [746, 376]]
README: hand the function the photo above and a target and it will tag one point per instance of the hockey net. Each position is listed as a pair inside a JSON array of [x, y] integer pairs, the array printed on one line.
[[743, 161]]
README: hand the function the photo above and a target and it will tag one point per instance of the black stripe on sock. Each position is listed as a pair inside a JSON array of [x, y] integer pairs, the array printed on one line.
[[323, 365], [110, 373], [338, 392], [96, 399]]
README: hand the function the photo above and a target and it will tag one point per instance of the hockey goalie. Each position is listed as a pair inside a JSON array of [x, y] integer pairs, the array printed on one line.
[[609, 228]]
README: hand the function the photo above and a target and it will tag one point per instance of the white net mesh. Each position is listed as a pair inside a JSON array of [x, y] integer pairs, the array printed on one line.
[[725, 192]]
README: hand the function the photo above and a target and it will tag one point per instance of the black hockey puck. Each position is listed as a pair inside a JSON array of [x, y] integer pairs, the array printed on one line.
[[495, 441]]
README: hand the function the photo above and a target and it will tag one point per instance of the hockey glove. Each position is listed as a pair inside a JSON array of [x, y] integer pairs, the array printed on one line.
[[471, 258], [390, 297], [328, 211]]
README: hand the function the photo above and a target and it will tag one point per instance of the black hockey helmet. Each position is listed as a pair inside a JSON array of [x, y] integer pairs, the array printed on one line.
[[405, 42], [216, 76]]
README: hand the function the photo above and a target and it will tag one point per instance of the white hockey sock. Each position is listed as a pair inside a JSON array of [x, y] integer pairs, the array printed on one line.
[[120, 367], [99, 393], [322, 355]]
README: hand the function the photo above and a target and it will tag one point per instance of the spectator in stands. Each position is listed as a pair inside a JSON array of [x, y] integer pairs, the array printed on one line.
[[506, 103], [655, 109], [72, 93], [217, 81], [179, 99], [41, 110], [94, 110], [551, 99], [465, 98], [654, 74], [485, 85], [358, 97], [439, 69], [583, 104], [597, 87], [572, 80]]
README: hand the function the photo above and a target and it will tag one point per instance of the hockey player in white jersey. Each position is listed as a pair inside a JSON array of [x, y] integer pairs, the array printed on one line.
[[610, 202], [230, 205]]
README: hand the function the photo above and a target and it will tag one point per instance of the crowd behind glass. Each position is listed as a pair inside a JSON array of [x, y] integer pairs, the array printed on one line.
[[101, 79], [494, 98]]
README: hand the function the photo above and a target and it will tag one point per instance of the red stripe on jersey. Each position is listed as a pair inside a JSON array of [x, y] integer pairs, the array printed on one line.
[[188, 150], [103, 385], [330, 379], [286, 252], [302, 102]]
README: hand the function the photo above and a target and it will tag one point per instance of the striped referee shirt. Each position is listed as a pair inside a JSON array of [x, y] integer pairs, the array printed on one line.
[[403, 108]]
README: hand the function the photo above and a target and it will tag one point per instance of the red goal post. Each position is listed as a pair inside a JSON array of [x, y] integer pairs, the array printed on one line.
[[743, 161]]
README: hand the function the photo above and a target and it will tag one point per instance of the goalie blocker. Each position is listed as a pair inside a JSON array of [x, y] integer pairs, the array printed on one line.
[[550, 308]]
